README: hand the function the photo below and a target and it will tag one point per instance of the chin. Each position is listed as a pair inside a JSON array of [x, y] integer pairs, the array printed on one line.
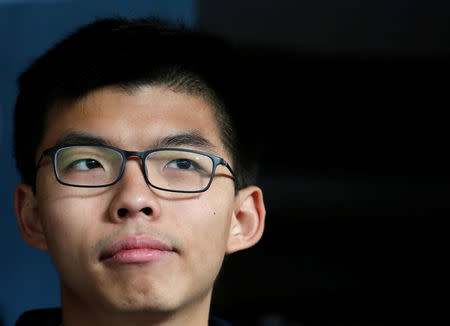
[[157, 302], [152, 305], [144, 297]]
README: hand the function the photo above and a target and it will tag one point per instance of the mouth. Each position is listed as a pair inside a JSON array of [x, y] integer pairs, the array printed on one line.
[[134, 249]]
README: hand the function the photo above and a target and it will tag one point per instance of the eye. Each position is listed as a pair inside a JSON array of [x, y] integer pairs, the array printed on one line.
[[183, 164], [85, 165]]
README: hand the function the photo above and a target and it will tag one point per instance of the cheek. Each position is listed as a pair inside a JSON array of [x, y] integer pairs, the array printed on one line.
[[205, 229], [69, 228]]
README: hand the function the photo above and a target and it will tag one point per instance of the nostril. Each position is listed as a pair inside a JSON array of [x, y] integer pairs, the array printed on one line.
[[146, 210], [122, 212]]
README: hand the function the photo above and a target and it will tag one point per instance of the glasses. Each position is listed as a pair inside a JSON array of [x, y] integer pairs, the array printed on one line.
[[169, 169]]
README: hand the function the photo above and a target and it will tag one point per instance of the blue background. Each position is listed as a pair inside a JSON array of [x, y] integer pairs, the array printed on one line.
[[27, 28]]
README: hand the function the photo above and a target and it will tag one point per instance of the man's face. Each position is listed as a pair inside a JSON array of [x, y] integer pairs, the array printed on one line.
[[80, 224]]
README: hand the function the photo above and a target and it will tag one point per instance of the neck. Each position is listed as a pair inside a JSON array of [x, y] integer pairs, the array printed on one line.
[[76, 312]]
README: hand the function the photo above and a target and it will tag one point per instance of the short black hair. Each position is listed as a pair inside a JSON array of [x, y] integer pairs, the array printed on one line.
[[128, 54]]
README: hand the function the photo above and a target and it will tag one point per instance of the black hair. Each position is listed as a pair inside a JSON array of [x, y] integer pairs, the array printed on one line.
[[128, 54]]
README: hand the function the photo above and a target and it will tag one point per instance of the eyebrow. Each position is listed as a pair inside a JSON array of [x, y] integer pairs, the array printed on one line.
[[77, 137], [191, 138]]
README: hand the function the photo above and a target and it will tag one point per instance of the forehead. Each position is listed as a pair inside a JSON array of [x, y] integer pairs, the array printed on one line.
[[133, 120]]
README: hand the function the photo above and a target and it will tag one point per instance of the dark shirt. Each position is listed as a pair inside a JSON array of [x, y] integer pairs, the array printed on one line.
[[52, 317]]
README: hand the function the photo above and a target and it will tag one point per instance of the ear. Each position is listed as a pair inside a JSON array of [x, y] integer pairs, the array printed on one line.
[[30, 224], [247, 224]]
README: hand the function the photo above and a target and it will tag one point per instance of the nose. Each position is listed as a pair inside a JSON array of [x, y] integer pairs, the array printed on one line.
[[133, 197]]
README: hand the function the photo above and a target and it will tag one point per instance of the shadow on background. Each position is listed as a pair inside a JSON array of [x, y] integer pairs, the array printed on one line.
[[356, 184], [2, 321], [353, 163]]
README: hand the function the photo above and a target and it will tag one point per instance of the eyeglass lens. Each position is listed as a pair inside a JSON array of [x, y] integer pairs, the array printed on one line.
[[168, 169]]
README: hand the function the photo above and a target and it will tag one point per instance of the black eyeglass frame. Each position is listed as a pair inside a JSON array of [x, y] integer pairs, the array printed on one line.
[[142, 155]]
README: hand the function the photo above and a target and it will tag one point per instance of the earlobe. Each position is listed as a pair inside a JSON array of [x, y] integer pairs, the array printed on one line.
[[30, 224], [247, 223]]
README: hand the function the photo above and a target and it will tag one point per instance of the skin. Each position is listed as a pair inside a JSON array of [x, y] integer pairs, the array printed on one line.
[[76, 224]]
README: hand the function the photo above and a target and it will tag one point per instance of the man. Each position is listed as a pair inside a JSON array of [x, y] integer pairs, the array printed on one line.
[[132, 179]]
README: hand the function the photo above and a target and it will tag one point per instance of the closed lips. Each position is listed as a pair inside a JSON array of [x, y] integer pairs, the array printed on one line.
[[133, 243]]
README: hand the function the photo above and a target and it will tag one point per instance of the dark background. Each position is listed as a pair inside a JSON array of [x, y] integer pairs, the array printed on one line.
[[350, 99], [348, 103]]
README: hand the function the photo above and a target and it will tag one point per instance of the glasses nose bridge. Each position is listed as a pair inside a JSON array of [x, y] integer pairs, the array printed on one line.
[[128, 154]]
